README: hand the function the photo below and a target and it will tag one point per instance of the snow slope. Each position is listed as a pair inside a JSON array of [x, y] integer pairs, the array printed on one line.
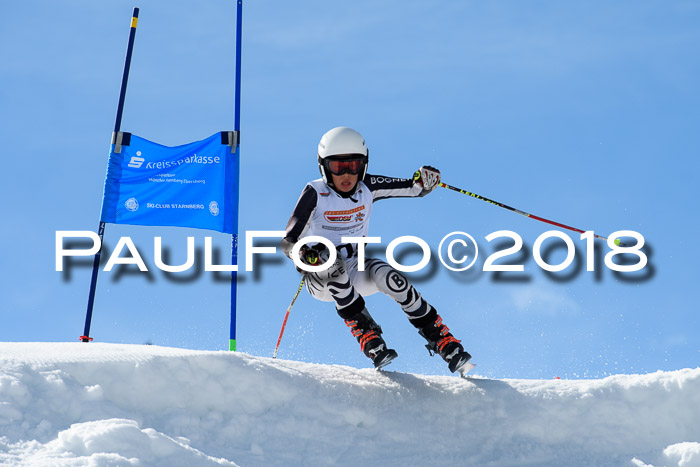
[[109, 404]]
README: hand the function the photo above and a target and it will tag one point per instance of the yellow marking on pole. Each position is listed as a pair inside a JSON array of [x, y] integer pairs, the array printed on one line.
[[134, 20]]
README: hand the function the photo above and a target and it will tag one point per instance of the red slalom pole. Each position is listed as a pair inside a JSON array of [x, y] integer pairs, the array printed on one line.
[[523, 213], [286, 316]]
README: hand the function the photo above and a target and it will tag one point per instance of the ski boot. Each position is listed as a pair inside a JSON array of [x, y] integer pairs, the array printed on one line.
[[442, 342], [368, 334]]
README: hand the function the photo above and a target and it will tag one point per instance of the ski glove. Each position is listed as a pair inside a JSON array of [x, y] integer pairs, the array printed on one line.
[[428, 177], [314, 255]]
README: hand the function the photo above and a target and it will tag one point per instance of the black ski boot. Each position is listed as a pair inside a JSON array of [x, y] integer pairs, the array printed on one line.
[[368, 334], [441, 341]]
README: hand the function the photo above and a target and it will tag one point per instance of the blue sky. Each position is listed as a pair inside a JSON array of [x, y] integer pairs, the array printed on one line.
[[585, 114]]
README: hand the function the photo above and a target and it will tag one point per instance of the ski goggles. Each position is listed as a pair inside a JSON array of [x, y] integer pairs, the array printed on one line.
[[342, 166]]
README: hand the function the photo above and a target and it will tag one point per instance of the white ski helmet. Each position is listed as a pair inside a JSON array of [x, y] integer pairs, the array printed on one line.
[[338, 144]]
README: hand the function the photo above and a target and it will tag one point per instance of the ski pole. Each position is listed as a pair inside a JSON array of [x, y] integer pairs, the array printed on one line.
[[523, 213], [284, 323]]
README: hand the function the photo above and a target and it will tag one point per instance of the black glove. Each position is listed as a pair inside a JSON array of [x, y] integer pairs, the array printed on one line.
[[314, 255], [428, 177]]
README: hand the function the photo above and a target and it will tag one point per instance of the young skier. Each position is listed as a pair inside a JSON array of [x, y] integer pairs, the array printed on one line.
[[339, 205]]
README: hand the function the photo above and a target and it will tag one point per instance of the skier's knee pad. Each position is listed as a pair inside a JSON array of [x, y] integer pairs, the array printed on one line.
[[387, 279], [395, 285]]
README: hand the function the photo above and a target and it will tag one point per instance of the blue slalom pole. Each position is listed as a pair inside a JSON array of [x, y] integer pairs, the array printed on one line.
[[239, 25], [237, 132], [117, 126]]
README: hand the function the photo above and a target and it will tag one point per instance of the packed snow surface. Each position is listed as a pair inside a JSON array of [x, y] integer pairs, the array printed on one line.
[[108, 404]]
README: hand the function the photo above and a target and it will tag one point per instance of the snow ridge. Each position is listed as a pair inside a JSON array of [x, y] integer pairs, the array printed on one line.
[[110, 404]]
